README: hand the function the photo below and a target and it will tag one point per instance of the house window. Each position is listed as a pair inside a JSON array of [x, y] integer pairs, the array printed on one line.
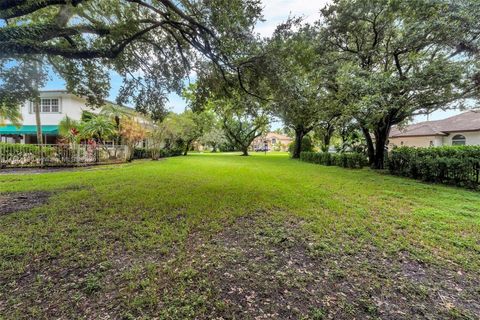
[[54, 105], [48, 105], [431, 143], [459, 140], [274, 141]]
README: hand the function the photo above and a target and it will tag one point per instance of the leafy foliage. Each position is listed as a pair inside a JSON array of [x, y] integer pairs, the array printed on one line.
[[99, 127], [298, 83], [152, 45], [178, 132], [306, 146], [241, 130], [69, 129], [214, 138], [351, 160], [451, 165], [20, 149], [132, 132], [396, 63], [9, 114], [152, 153]]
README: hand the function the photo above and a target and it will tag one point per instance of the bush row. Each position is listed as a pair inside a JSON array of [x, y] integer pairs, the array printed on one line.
[[446, 151], [146, 153], [346, 160], [450, 165], [20, 149]]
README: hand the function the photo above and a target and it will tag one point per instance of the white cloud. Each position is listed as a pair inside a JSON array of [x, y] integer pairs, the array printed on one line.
[[277, 11]]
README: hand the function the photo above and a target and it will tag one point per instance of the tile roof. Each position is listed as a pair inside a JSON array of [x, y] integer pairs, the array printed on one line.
[[277, 136], [467, 121]]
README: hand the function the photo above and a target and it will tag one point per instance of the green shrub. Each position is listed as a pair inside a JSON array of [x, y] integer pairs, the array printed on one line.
[[20, 149], [142, 153], [29, 154], [164, 153], [146, 153], [457, 165], [9, 150], [307, 145], [346, 160]]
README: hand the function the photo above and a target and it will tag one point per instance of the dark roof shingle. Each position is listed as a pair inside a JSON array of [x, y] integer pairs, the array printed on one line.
[[467, 121]]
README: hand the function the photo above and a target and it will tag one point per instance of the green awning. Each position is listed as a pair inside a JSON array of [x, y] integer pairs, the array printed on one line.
[[11, 129]]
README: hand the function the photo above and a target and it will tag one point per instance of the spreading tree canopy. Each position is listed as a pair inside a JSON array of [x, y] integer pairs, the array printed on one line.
[[396, 64], [153, 45], [300, 81]]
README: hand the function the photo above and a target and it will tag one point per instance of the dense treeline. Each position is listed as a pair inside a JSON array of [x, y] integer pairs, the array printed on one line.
[[351, 160]]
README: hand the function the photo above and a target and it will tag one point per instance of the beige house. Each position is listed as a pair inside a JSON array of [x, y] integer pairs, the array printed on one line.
[[273, 141], [462, 129]]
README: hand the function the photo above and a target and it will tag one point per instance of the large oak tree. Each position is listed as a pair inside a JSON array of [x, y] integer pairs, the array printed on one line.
[[396, 64], [299, 81]]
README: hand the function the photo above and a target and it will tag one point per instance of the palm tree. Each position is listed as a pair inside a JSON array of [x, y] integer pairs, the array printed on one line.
[[68, 129], [10, 114], [100, 128]]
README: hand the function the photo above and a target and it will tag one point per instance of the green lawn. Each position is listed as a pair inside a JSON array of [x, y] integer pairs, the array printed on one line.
[[219, 235]]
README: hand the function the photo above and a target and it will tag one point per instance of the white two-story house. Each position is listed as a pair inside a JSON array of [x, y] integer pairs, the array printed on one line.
[[54, 106]]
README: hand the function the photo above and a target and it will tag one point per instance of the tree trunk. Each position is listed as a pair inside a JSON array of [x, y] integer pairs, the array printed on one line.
[[38, 122], [130, 150], [187, 147], [245, 151], [327, 138], [298, 144], [370, 147], [381, 137], [379, 159]]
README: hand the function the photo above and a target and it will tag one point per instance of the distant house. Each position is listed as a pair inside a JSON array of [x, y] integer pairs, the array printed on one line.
[[54, 106], [462, 129], [273, 141]]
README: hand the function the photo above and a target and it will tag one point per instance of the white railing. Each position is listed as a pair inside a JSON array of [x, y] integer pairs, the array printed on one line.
[[32, 155]]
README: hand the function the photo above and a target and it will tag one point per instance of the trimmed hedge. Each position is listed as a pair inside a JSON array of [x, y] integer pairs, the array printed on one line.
[[346, 160], [141, 153], [457, 165], [146, 153]]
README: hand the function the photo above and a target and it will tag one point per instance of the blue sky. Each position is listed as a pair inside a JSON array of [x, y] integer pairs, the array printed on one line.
[[275, 11]]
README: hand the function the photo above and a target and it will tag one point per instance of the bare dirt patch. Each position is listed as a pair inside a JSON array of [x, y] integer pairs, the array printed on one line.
[[270, 270], [20, 201], [256, 268]]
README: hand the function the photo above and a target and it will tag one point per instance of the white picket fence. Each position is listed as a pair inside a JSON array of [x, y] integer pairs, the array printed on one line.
[[30, 155]]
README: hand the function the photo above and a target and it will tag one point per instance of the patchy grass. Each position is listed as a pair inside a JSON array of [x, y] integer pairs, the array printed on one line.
[[210, 236]]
